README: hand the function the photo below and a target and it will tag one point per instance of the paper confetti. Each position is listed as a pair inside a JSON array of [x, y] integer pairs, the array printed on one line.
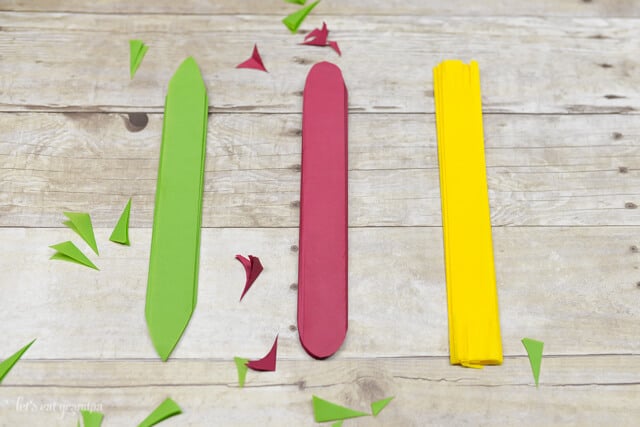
[[324, 411], [241, 366], [534, 351], [67, 251], [379, 405], [254, 62], [80, 222], [121, 231], [166, 409], [293, 21], [268, 362], [253, 268], [7, 364], [137, 50]]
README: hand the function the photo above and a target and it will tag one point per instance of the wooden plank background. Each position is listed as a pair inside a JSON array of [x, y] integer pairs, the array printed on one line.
[[561, 95]]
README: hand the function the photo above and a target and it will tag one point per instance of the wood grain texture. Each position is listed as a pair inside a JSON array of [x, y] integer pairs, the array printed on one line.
[[586, 391], [79, 62], [599, 8], [573, 288], [542, 170]]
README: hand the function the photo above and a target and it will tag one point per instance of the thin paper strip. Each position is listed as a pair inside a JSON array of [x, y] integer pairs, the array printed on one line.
[[68, 251], [120, 233], [474, 328], [322, 264], [7, 364], [175, 244], [166, 409], [80, 222]]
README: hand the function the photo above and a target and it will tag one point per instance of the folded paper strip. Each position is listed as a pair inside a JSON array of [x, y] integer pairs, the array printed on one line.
[[474, 327]]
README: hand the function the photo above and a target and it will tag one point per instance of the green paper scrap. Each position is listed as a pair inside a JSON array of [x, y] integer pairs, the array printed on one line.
[[337, 424], [67, 251], [167, 409], [80, 222], [300, 2], [121, 232], [137, 50], [293, 21], [241, 366], [324, 411], [379, 405], [534, 351], [175, 243], [8, 363], [91, 419]]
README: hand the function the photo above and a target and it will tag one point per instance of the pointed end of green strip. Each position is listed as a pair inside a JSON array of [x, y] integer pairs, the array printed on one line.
[[534, 351], [325, 411], [378, 406], [187, 78], [166, 409], [294, 20], [91, 419], [7, 364], [120, 233], [165, 330], [242, 368]]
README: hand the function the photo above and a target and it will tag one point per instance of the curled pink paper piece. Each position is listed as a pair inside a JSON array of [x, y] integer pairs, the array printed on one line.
[[255, 62], [252, 268], [267, 363], [319, 37]]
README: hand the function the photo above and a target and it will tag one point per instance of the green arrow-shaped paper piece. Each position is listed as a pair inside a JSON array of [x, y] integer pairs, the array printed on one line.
[[172, 286], [80, 222], [8, 363], [137, 50], [379, 405], [300, 2], [324, 411], [120, 234], [91, 419], [241, 366], [294, 20], [534, 351], [167, 409], [67, 251]]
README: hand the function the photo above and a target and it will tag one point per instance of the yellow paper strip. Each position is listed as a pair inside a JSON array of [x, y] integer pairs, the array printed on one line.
[[474, 326]]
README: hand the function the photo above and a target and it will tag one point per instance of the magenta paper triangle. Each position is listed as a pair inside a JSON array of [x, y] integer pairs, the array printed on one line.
[[334, 46], [267, 363], [317, 37], [255, 62], [252, 268]]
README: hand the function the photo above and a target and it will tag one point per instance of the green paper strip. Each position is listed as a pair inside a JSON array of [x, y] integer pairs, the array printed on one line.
[[167, 409], [293, 21], [337, 424], [324, 411], [80, 222], [534, 351], [137, 50], [300, 2], [8, 363], [121, 231], [241, 366], [91, 419], [379, 405], [175, 243], [69, 252]]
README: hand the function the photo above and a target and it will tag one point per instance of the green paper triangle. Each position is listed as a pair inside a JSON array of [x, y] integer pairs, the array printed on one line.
[[80, 222], [137, 50], [293, 21], [324, 411], [337, 424], [121, 231], [534, 351], [241, 366], [91, 419], [67, 251], [8, 363], [378, 406], [167, 409], [300, 2]]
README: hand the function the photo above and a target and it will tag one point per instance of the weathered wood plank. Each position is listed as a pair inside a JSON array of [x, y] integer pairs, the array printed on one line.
[[555, 65], [542, 170], [574, 288], [600, 8], [596, 390]]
